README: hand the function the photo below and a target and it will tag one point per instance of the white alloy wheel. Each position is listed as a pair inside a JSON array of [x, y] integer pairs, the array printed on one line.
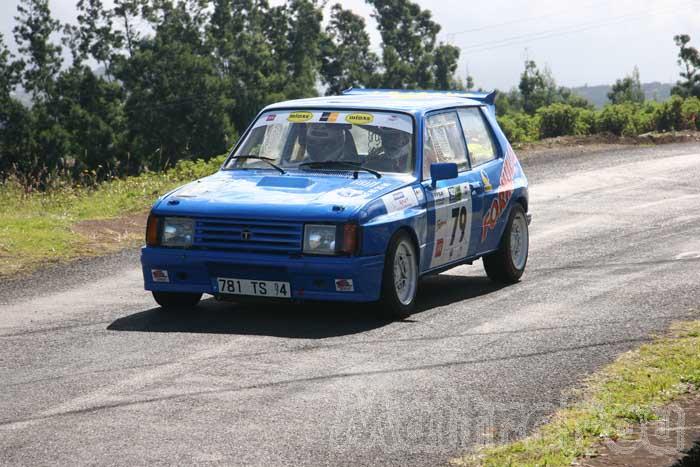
[[405, 272], [519, 241]]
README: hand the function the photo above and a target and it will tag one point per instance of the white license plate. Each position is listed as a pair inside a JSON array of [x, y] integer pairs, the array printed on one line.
[[273, 289]]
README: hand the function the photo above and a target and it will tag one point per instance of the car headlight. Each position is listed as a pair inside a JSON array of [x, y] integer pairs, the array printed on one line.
[[177, 232], [320, 239]]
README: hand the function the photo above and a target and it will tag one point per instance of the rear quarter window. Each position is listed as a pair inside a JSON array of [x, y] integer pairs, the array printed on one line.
[[477, 133]]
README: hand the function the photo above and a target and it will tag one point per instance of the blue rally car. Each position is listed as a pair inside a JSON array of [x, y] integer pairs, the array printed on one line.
[[346, 198]]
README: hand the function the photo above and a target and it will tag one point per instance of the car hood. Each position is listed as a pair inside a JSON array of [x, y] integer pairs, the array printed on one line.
[[291, 196]]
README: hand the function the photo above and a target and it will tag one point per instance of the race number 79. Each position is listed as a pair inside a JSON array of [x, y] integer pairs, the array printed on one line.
[[459, 215]]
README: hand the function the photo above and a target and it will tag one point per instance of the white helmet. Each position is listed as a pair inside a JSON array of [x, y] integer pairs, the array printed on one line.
[[397, 146], [325, 142]]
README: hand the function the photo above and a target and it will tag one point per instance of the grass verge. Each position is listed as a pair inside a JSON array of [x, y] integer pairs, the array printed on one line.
[[39, 228], [624, 393]]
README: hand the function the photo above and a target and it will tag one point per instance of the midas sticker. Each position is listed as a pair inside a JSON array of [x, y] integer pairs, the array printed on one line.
[[300, 117], [359, 119]]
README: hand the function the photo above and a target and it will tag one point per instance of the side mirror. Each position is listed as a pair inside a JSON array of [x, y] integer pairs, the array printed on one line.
[[443, 171]]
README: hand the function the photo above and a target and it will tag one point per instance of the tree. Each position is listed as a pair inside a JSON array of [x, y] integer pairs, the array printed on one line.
[[13, 115], [539, 89], [237, 34], [409, 55], [94, 36], [9, 71], [176, 104], [302, 51], [627, 90], [689, 59], [42, 59], [346, 60], [127, 11], [91, 112], [446, 58]]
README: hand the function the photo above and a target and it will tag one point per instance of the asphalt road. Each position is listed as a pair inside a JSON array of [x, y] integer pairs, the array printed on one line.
[[92, 373]]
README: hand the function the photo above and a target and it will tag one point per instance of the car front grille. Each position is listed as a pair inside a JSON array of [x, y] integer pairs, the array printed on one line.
[[248, 235]]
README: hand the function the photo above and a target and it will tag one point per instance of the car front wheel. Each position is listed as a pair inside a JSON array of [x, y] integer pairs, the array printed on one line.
[[507, 264], [400, 281], [175, 301]]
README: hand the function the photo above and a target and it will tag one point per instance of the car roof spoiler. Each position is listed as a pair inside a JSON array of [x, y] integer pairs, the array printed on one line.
[[486, 98]]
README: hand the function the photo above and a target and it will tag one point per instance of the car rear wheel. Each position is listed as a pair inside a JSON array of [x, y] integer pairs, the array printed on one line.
[[175, 301], [507, 264], [400, 281]]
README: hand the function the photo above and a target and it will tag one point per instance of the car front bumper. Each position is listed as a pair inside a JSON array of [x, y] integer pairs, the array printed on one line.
[[310, 277]]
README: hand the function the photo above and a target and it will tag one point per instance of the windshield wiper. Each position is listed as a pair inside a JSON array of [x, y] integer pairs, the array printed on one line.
[[354, 166], [267, 160]]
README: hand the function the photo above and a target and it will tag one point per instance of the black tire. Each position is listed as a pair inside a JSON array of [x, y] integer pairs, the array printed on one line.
[[177, 301], [499, 265], [390, 305]]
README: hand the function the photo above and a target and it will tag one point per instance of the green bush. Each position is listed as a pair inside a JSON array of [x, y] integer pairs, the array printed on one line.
[[669, 115], [618, 119], [628, 119], [520, 127], [558, 120], [586, 122], [691, 113]]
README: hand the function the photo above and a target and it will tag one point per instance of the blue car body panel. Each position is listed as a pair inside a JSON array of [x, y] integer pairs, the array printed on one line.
[[277, 206]]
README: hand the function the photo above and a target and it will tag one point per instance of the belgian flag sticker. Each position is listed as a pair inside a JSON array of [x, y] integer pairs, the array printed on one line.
[[329, 117]]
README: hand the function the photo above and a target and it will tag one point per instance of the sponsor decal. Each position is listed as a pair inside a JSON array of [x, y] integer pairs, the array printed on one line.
[[440, 196], [160, 275], [271, 118], [329, 117], [505, 192], [300, 117], [485, 180], [419, 194], [455, 193], [439, 246], [400, 200], [344, 285], [359, 118], [440, 224]]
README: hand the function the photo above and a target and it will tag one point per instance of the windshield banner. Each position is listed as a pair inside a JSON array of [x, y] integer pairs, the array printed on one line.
[[362, 118]]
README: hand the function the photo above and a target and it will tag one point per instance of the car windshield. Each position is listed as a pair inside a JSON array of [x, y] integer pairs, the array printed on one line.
[[380, 141]]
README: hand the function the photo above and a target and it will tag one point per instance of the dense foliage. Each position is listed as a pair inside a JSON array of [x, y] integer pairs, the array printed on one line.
[[538, 108], [626, 119], [152, 82], [149, 83]]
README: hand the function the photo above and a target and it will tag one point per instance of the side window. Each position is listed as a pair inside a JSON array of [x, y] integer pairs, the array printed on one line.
[[479, 139], [443, 142]]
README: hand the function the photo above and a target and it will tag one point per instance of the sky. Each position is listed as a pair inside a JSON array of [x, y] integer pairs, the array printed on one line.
[[582, 42]]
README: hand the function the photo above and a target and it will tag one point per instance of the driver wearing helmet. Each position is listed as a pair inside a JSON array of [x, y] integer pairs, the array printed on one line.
[[397, 148], [329, 142]]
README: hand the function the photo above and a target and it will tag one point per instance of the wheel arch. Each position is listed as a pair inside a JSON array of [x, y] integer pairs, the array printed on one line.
[[522, 200], [412, 235]]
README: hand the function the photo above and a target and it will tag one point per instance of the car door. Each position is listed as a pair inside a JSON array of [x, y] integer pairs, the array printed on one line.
[[449, 202], [486, 170]]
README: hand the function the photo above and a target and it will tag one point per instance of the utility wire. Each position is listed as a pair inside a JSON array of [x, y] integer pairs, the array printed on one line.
[[490, 45], [521, 20]]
